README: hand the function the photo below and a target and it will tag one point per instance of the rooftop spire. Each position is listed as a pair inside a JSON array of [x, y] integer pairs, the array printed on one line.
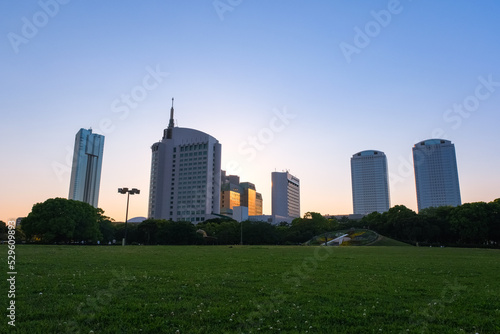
[[171, 122]]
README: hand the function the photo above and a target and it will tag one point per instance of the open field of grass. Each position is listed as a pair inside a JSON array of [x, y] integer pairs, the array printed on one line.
[[253, 289], [385, 241]]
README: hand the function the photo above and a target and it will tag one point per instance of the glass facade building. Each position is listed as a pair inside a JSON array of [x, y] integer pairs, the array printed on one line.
[[234, 193], [86, 168], [370, 183], [436, 173]]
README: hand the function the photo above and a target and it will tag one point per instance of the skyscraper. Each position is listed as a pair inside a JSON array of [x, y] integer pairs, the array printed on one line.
[[436, 174], [185, 175], [86, 169], [285, 194], [370, 186]]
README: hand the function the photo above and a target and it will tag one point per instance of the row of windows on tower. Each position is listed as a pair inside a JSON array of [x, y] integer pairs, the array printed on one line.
[[192, 154], [194, 147]]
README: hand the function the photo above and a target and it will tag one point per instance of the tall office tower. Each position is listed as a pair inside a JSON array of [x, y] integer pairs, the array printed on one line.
[[86, 169], [436, 174], [285, 194], [185, 175], [251, 199], [370, 182]]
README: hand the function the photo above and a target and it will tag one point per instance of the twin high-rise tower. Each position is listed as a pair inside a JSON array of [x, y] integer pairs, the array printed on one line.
[[436, 173], [185, 175], [370, 182], [436, 177]]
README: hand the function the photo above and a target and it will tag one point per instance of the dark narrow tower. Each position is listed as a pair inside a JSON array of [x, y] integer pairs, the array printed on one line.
[[170, 123]]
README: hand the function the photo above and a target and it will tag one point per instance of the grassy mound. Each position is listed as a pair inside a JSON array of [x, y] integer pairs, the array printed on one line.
[[355, 237]]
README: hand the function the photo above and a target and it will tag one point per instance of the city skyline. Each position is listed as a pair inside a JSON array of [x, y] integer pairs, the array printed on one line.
[[298, 86]]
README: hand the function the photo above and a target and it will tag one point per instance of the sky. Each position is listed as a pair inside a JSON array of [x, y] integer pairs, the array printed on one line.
[[283, 85]]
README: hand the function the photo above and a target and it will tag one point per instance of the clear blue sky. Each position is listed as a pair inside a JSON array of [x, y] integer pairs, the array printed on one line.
[[231, 69]]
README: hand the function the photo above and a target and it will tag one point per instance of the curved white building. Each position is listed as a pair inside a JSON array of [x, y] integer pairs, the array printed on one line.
[[370, 182], [185, 175], [436, 173]]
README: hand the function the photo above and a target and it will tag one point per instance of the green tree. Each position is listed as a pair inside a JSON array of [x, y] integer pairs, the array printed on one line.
[[177, 233], [494, 221], [375, 221], [62, 220], [438, 228], [226, 231], [403, 223], [3, 230], [306, 228], [469, 222], [132, 233], [259, 233], [147, 231], [106, 227]]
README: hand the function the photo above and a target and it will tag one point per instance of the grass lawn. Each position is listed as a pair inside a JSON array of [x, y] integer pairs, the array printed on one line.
[[254, 289]]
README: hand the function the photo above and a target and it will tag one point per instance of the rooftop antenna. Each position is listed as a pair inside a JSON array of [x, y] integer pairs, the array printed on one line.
[[170, 123]]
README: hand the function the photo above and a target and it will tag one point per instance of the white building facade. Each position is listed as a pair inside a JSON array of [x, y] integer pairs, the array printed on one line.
[[285, 195], [185, 175], [86, 169], [370, 182], [436, 173]]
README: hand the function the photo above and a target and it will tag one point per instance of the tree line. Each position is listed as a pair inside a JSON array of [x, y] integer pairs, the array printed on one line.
[[470, 224], [60, 220]]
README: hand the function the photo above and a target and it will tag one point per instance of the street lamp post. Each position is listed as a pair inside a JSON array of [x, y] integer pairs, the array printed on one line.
[[128, 192]]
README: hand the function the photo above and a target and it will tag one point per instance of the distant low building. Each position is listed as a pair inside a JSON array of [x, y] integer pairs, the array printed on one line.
[[354, 216], [271, 219], [235, 193], [136, 220]]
